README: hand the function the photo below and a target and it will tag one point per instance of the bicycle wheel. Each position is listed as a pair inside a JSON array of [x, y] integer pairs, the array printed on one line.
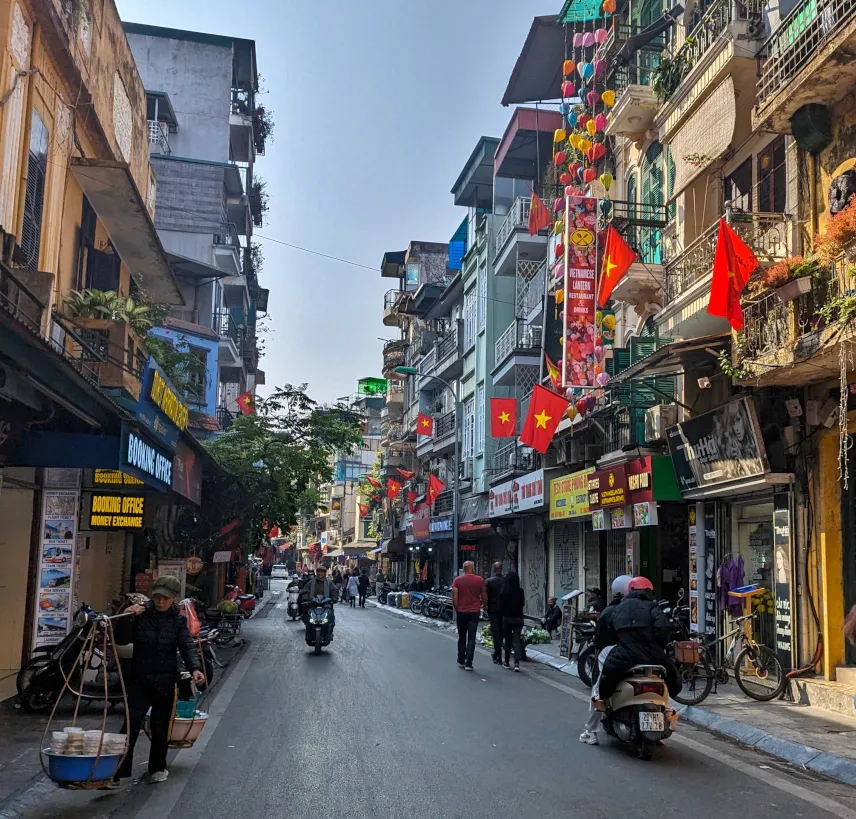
[[585, 664], [416, 606], [759, 673], [697, 681]]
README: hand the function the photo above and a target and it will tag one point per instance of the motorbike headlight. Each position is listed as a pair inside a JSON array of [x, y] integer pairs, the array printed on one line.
[[325, 619]]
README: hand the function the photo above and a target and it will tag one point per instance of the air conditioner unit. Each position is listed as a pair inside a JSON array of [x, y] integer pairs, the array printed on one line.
[[658, 419], [593, 452]]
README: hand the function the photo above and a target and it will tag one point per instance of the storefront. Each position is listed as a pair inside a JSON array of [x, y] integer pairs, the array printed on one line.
[[478, 540], [438, 564], [569, 513]]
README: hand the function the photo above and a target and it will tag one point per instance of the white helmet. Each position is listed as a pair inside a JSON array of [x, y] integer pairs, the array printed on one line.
[[621, 585]]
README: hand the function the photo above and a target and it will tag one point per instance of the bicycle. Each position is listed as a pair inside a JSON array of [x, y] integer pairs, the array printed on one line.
[[757, 670]]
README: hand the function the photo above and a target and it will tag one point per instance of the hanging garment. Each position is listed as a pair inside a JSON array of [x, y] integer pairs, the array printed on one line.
[[731, 575]]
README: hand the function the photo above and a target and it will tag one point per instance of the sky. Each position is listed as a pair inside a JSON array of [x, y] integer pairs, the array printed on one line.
[[377, 106]]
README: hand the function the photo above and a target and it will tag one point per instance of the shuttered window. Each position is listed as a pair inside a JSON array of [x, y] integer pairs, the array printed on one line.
[[34, 202], [566, 557], [653, 199]]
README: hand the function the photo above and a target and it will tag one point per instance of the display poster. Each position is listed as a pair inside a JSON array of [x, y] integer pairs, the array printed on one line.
[[710, 563], [600, 520], [422, 523], [631, 554], [784, 576], [58, 538], [620, 517], [695, 615]]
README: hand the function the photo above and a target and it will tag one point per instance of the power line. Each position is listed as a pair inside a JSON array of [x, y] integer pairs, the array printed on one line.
[[315, 252]]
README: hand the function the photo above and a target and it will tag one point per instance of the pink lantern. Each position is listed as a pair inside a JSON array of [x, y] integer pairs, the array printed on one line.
[[600, 122], [568, 90], [601, 35], [559, 204], [602, 379], [598, 352], [588, 39], [599, 68], [591, 402], [578, 40], [592, 98]]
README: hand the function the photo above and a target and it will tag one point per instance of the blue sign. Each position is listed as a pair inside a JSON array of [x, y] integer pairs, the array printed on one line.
[[140, 457], [160, 409]]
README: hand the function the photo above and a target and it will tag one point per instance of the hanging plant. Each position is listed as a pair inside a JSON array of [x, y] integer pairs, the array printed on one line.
[[840, 235], [671, 70]]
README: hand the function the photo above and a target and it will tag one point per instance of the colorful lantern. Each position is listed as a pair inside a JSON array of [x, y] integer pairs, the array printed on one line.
[[560, 296], [566, 178], [589, 175], [581, 406], [559, 227], [584, 145], [568, 67], [568, 90], [606, 179], [608, 98], [600, 122], [560, 158], [572, 117], [559, 205], [609, 321], [588, 39], [596, 151], [601, 35], [602, 379], [581, 175], [571, 412], [591, 402], [578, 40], [570, 190], [599, 68], [585, 70], [559, 135], [583, 119], [559, 250], [598, 352], [573, 168], [605, 204], [592, 98], [609, 6], [591, 127]]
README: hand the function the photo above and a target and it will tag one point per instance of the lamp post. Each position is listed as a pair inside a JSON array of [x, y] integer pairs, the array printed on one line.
[[456, 492]]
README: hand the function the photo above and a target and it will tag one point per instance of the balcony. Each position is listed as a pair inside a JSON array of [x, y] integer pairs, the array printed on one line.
[[513, 242], [795, 342], [228, 251], [770, 236], [449, 355], [393, 303], [635, 103], [445, 433], [809, 58], [518, 346], [230, 340], [394, 355], [158, 138], [426, 367], [395, 459], [225, 418], [511, 461], [641, 226], [529, 295], [394, 398]]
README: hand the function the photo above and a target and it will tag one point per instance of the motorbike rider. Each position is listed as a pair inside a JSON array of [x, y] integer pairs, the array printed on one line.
[[643, 631], [319, 585], [605, 639]]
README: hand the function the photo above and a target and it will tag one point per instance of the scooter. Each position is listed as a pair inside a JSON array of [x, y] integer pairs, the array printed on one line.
[[318, 630], [246, 602], [638, 712], [293, 608]]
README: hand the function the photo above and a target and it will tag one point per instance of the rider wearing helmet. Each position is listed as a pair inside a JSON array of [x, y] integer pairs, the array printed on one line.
[[643, 632]]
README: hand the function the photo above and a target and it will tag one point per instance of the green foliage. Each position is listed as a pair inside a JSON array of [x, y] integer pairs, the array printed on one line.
[[187, 371], [670, 71], [839, 308], [260, 191], [108, 304], [732, 371]]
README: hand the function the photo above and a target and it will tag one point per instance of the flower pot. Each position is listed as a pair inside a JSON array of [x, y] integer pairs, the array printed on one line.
[[794, 289]]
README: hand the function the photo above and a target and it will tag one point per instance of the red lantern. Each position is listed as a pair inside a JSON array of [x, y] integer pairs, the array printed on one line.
[[565, 179], [583, 119], [588, 175], [560, 158], [573, 168], [582, 406], [569, 91], [560, 250], [596, 151]]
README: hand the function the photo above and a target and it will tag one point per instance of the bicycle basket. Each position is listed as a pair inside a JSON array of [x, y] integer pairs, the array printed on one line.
[[687, 651]]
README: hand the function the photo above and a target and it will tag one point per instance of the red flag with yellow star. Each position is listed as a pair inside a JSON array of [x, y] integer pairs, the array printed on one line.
[[503, 417], [393, 487], [424, 424], [617, 258], [555, 375], [733, 264], [364, 510], [247, 403], [546, 410], [405, 473], [435, 487], [373, 481]]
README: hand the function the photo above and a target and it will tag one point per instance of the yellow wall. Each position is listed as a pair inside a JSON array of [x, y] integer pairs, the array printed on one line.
[[840, 156], [100, 568]]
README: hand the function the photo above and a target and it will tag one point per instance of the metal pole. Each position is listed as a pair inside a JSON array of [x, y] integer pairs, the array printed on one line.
[[456, 494]]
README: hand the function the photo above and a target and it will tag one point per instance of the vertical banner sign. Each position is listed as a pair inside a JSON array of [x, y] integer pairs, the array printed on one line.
[[784, 575], [711, 617], [694, 599], [58, 537], [580, 261]]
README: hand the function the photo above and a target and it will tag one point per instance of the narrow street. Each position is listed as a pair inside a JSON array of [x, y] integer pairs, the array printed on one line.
[[384, 723]]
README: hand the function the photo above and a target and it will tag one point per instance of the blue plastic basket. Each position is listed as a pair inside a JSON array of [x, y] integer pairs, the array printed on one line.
[[80, 768]]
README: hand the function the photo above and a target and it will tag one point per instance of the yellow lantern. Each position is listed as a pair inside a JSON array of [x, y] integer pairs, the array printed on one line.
[[560, 296], [571, 412], [608, 98], [598, 318], [590, 127], [606, 179], [558, 227], [559, 135], [609, 322], [584, 145], [574, 140]]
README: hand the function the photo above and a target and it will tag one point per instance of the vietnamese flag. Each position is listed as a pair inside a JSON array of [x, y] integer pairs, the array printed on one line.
[[539, 215], [546, 410], [733, 264], [247, 403], [617, 258], [373, 481], [424, 424], [555, 375], [393, 487], [405, 473], [364, 510], [435, 487], [411, 501], [503, 417]]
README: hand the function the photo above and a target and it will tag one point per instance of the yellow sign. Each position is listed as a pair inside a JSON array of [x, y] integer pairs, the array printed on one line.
[[582, 238], [113, 477], [569, 495], [117, 512], [163, 396]]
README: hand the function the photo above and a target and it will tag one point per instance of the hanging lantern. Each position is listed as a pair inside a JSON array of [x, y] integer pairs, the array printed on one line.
[[591, 402], [573, 168], [571, 412], [602, 379], [583, 119], [560, 158], [568, 90], [570, 190], [581, 406], [605, 205], [572, 117], [599, 68], [578, 40], [558, 205], [581, 174], [601, 35], [588, 39], [591, 127], [609, 6], [596, 151], [589, 175], [560, 296], [568, 68], [559, 250], [600, 122], [585, 144], [592, 98], [609, 321], [559, 227], [608, 98], [598, 352], [606, 179], [588, 72], [566, 178], [559, 135]]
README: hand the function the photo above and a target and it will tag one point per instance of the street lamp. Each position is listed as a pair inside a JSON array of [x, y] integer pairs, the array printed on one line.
[[456, 492]]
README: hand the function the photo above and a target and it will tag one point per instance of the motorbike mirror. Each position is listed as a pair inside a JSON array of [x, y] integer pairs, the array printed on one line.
[[680, 594]]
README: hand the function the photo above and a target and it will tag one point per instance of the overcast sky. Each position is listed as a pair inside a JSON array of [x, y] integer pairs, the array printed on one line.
[[377, 105]]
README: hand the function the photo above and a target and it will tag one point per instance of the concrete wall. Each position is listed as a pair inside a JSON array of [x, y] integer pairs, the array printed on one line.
[[198, 79], [197, 246], [190, 197]]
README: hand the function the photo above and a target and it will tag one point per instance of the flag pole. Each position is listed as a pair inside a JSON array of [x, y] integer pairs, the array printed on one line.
[[566, 237]]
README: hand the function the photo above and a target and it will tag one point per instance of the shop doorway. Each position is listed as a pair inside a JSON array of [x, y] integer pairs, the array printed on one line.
[[591, 569], [674, 552]]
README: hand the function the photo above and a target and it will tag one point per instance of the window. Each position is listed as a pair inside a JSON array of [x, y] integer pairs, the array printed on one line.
[[197, 381], [631, 195], [470, 319], [412, 276], [482, 298], [771, 177], [481, 419], [652, 200], [738, 186], [468, 426], [34, 201]]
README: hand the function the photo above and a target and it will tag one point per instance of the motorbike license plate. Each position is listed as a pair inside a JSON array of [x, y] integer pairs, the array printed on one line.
[[651, 721]]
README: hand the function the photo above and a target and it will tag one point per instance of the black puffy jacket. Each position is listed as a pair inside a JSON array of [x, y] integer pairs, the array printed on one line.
[[158, 638], [604, 632]]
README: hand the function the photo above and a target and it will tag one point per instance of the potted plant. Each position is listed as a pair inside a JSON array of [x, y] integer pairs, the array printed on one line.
[[840, 236], [792, 277]]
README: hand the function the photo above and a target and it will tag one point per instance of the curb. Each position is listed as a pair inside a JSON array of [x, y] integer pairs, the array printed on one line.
[[802, 756]]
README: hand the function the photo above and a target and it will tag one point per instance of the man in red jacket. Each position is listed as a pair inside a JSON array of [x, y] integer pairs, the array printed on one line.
[[468, 597]]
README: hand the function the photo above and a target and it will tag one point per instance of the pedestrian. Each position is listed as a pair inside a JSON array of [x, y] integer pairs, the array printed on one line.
[[363, 581], [468, 597], [493, 587], [353, 589], [552, 618], [380, 579], [511, 602], [158, 632], [344, 586]]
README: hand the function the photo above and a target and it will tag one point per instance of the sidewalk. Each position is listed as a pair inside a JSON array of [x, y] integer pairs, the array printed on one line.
[[811, 738]]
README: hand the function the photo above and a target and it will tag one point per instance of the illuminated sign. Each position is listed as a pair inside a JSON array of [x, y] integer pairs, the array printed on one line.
[[160, 409], [117, 512], [113, 477], [165, 397], [145, 460]]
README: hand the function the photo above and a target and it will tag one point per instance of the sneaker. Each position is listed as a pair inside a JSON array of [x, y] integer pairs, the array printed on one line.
[[516, 667], [497, 661], [469, 667], [460, 664], [589, 738], [506, 664], [158, 776]]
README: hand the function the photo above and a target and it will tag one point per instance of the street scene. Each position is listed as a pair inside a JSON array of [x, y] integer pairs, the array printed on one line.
[[445, 410]]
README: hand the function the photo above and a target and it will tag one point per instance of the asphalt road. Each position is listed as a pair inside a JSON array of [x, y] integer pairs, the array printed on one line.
[[384, 724]]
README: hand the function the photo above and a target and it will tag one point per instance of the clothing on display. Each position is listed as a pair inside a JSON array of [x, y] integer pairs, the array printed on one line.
[[730, 576]]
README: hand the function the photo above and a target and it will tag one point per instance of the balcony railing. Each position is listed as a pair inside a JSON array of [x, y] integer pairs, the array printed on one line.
[[225, 418], [159, 137], [531, 280], [19, 301], [227, 328], [444, 425], [517, 218], [448, 346], [626, 427], [445, 503], [518, 336], [390, 298], [641, 226], [770, 236], [394, 355], [511, 459], [427, 363]]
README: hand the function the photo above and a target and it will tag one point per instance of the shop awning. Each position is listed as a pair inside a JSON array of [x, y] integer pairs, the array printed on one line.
[[677, 357], [475, 508], [335, 552], [747, 486], [114, 196], [537, 74]]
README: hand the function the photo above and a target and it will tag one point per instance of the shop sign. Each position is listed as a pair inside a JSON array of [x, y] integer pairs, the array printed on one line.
[[336, 504], [194, 564], [145, 460], [782, 564], [501, 500], [469, 547], [600, 520], [113, 477], [608, 488], [187, 473], [160, 410], [645, 514], [422, 523], [222, 557], [529, 491], [620, 517], [569, 496], [718, 447], [442, 524], [112, 512], [652, 478]]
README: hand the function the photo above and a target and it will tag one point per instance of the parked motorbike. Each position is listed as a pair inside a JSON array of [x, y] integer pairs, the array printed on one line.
[[293, 609], [318, 628], [382, 591], [246, 602], [583, 637], [638, 712]]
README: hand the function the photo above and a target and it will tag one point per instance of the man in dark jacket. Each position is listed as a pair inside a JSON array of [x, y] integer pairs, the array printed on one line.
[[159, 634], [493, 587], [643, 632], [363, 582], [319, 586]]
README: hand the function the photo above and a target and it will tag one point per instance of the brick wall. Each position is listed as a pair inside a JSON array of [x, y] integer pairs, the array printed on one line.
[[190, 196]]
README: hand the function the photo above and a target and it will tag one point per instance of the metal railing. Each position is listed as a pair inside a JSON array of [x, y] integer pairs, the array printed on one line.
[[390, 298], [770, 236], [394, 355], [444, 425], [227, 328], [448, 345], [531, 280], [427, 363], [517, 217], [19, 302], [636, 73], [159, 137], [800, 37], [625, 427], [518, 336], [445, 503], [509, 459], [225, 418]]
